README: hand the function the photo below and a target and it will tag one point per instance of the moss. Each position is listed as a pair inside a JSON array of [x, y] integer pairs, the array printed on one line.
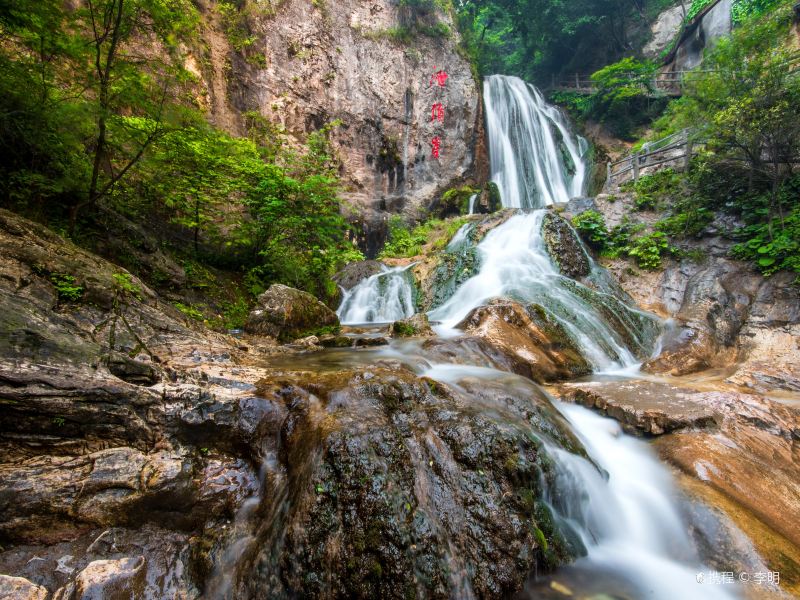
[[495, 200], [401, 329]]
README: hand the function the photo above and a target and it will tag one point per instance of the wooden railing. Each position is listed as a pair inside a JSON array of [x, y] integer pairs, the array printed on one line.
[[677, 148], [669, 83]]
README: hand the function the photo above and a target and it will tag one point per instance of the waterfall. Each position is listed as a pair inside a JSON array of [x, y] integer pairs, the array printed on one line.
[[535, 160], [514, 263], [529, 169], [472, 204], [385, 297], [625, 515]]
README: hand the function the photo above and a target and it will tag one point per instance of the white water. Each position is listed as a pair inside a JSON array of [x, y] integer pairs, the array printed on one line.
[[629, 523], [472, 204], [622, 508], [515, 264], [526, 157], [385, 297]]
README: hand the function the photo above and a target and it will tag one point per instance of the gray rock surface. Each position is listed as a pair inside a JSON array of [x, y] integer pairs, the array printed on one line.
[[286, 313]]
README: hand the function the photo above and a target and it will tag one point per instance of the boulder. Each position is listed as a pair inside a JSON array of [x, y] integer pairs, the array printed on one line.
[[564, 247], [330, 340], [751, 457], [19, 588], [356, 272], [370, 342], [384, 508], [286, 313], [534, 347], [414, 326]]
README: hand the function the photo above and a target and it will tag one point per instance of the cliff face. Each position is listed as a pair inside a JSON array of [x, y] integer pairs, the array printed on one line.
[[305, 63]]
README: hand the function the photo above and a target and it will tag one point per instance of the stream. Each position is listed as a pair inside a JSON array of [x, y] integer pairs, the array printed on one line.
[[618, 506]]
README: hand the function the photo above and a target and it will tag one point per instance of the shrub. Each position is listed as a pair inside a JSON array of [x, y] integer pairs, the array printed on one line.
[[66, 287], [592, 228], [647, 249]]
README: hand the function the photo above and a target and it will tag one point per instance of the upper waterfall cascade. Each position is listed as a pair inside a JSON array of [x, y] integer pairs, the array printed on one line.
[[535, 159]]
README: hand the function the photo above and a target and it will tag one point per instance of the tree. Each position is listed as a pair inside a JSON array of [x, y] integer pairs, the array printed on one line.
[[126, 81]]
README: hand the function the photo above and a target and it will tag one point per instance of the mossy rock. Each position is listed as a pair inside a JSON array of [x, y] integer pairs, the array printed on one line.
[[286, 314], [564, 247]]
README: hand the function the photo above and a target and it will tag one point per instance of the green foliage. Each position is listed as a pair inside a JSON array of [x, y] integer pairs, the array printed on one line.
[[535, 39], [297, 229], [578, 105], [66, 287], [742, 10], [745, 104], [125, 286], [405, 243], [592, 228], [773, 243], [647, 249], [190, 311], [696, 8], [624, 97], [622, 240], [656, 190], [402, 241]]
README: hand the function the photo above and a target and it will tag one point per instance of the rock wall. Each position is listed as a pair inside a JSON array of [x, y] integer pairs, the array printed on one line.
[[308, 63], [724, 314], [714, 23]]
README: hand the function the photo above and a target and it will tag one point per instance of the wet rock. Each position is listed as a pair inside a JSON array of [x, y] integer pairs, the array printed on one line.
[[564, 247], [286, 313], [715, 307], [643, 407], [19, 588], [535, 348], [414, 326], [132, 371], [356, 272], [370, 341], [335, 341], [383, 506], [49, 497], [119, 579], [751, 457], [310, 342]]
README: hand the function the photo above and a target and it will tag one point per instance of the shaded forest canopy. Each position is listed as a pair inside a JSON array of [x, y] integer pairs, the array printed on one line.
[[541, 39]]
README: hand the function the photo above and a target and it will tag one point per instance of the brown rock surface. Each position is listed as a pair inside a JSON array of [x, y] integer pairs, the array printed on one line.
[[534, 349], [647, 407], [19, 588]]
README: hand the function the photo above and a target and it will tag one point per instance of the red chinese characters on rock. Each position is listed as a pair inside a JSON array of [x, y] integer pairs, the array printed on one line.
[[439, 77], [435, 145], [437, 112]]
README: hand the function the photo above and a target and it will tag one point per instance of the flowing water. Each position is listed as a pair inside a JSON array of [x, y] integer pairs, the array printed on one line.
[[619, 505], [535, 159], [515, 263], [385, 297]]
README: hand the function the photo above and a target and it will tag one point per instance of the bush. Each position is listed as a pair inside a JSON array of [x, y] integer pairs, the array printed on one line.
[[647, 249], [66, 287], [592, 228]]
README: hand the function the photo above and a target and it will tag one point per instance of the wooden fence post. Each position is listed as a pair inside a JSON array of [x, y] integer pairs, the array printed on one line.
[[635, 159]]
